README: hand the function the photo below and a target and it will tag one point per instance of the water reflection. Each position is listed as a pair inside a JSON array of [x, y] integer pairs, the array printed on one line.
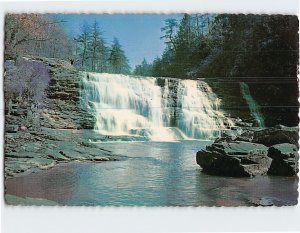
[[154, 174]]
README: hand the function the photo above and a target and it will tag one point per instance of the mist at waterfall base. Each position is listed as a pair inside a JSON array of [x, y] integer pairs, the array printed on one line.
[[156, 109]]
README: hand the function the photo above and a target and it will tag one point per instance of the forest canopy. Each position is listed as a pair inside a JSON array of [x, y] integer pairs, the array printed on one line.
[[228, 45]]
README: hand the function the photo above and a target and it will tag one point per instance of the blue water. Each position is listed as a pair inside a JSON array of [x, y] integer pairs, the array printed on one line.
[[149, 174]]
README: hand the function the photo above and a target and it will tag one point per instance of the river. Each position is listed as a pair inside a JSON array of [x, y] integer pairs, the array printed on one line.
[[150, 174]]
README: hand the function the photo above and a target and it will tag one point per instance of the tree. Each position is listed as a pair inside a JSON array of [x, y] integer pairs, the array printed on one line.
[[98, 49], [34, 34], [226, 46], [170, 31], [144, 69], [117, 59], [157, 67], [82, 46]]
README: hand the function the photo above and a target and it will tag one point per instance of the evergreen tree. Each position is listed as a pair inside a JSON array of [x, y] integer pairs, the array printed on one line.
[[169, 30], [98, 49], [82, 47], [144, 69], [117, 60]]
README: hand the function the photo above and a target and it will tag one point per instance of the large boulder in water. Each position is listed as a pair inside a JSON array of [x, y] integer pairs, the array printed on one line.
[[277, 135], [285, 159], [237, 159]]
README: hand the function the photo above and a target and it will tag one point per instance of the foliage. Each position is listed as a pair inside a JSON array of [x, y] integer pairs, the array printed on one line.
[[24, 80], [144, 69], [117, 60], [263, 48], [35, 34], [94, 54], [229, 46]]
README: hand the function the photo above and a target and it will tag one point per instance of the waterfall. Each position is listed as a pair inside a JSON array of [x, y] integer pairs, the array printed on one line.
[[139, 106], [254, 108]]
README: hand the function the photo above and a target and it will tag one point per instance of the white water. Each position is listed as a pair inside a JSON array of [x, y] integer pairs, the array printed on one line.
[[138, 106]]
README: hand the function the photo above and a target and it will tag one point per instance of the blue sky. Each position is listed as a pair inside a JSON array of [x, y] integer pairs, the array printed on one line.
[[139, 34]]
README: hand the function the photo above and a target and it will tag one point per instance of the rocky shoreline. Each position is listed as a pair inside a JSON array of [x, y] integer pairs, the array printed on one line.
[[58, 132], [30, 151], [268, 151]]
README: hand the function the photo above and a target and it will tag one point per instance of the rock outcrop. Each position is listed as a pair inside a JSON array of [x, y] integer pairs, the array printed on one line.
[[276, 135], [37, 139], [271, 151], [63, 107], [284, 159], [30, 151], [236, 159]]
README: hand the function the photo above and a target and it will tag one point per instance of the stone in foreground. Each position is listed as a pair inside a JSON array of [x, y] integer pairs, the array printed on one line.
[[276, 135], [236, 159], [285, 159]]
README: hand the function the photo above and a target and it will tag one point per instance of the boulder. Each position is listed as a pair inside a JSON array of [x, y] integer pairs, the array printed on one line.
[[245, 136], [237, 159], [263, 201], [285, 159], [276, 135]]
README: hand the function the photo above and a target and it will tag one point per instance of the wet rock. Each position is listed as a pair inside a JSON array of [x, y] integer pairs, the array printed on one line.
[[285, 159], [276, 135], [263, 201], [18, 155], [55, 155], [246, 136], [237, 159], [266, 201], [63, 153]]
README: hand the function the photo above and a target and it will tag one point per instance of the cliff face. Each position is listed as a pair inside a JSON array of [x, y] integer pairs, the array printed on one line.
[[63, 108], [276, 98], [38, 139], [228, 90]]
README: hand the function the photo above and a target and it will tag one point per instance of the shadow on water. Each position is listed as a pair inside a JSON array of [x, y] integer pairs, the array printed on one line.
[[152, 174]]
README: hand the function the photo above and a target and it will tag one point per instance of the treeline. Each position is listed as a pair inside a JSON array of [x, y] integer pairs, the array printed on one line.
[[40, 35], [93, 53], [260, 50], [227, 46]]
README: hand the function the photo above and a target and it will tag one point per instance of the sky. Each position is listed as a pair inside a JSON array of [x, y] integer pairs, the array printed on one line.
[[139, 34]]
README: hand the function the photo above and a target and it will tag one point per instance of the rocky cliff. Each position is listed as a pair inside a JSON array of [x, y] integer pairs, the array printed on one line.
[[40, 138], [63, 108]]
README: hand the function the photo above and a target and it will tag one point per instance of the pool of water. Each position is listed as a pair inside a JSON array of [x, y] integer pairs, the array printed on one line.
[[150, 174]]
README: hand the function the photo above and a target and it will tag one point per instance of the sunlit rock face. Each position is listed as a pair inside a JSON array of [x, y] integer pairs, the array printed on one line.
[[156, 108]]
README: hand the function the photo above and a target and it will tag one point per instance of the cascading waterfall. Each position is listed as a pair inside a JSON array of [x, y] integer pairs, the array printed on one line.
[[138, 106], [254, 108], [200, 107]]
